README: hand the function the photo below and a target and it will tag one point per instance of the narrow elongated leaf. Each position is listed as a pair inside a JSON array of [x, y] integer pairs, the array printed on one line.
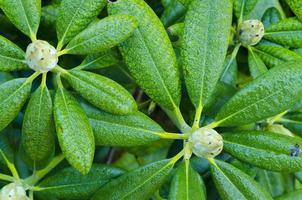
[[287, 32], [149, 54], [101, 92], [244, 6], [264, 149], [38, 127], [138, 184], [24, 14], [129, 130], [13, 95], [205, 42], [272, 93], [295, 6], [100, 60], [274, 55], [69, 184], [74, 16], [233, 184], [11, 56], [74, 132], [256, 65], [187, 184], [103, 35]]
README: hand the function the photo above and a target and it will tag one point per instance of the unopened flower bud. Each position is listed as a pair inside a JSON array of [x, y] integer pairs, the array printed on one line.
[[251, 32], [206, 142], [13, 191], [41, 56]]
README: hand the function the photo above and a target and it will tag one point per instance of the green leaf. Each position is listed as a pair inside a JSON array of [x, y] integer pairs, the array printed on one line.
[[275, 55], [187, 184], [69, 184], [101, 92], [103, 35], [38, 129], [74, 132], [295, 195], [173, 12], [138, 184], [272, 181], [230, 75], [74, 16], [205, 42], [256, 65], [24, 14], [295, 6], [149, 54], [11, 56], [244, 6], [100, 60], [287, 32], [272, 93], [6, 151], [233, 184], [271, 16], [266, 150], [129, 130], [13, 95]]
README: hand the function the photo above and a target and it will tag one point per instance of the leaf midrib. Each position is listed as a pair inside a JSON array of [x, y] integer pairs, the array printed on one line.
[[130, 127], [26, 17], [70, 22], [247, 107], [158, 73], [148, 179]]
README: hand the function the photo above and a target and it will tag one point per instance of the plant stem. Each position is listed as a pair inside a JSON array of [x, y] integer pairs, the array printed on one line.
[[197, 118], [11, 166], [38, 175], [233, 56], [59, 69], [44, 76], [63, 52], [177, 157], [178, 119], [5, 177], [176, 136], [32, 77]]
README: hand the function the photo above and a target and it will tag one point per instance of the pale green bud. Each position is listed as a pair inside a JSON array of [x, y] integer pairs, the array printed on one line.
[[41, 56], [206, 142]]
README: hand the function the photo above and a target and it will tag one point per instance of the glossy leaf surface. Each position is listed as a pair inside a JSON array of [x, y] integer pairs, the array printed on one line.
[[129, 130], [137, 184], [101, 92], [272, 93], [103, 35], [11, 56], [12, 98], [72, 185], [38, 129], [187, 184], [74, 16], [74, 132], [24, 14], [205, 42], [266, 150], [149, 54], [233, 184]]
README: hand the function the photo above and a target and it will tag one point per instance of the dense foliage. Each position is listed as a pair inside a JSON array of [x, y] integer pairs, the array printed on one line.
[[139, 100]]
